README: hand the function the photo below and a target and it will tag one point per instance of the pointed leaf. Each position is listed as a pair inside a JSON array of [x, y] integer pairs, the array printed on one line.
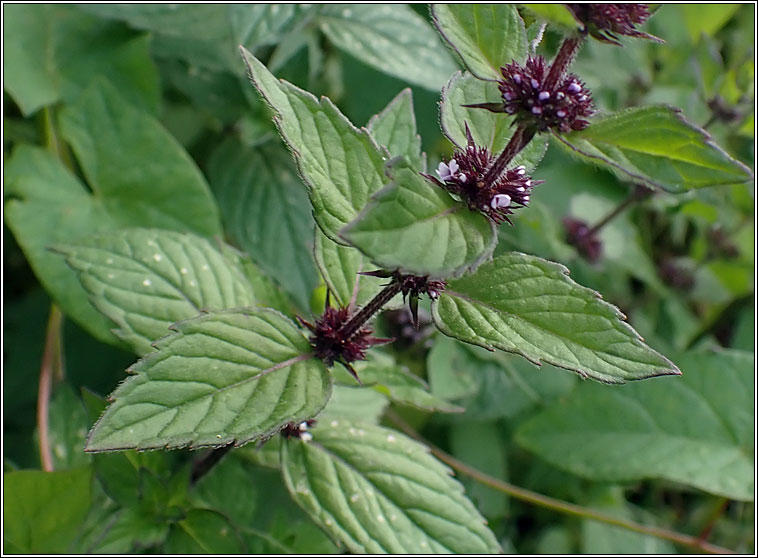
[[488, 129], [658, 146], [377, 491], [146, 279], [340, 163], [395, 129], [697, 430], [261, 198], [416, 227], [226, 377], [485, 36], [526, 305], [202, 532], [127, 156], [554, 14], [392, 38], [340, 267]]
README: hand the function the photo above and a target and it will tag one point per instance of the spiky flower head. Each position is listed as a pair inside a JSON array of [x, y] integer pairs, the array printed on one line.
[[605, 21], [465, 176], [527, 96], [299, 430], [330, 342]]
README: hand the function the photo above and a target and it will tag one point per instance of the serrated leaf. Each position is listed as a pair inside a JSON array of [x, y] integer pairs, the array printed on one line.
[[340, 164], [697, 430], [31, 523], [146, 279], [416, 227], [485, 36], [52, 53], [127, 155], [354, 404], [488, 129], [526, 305], [377, 491], [391, 38], [656, 145], [340, 267], [261, 198], [225, 377], [395, 128]]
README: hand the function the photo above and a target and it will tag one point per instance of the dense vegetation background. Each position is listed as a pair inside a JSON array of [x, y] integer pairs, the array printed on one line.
[[97, 98]]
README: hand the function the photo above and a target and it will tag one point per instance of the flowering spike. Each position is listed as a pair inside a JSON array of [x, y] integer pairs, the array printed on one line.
[[605, 21], [564, 106]]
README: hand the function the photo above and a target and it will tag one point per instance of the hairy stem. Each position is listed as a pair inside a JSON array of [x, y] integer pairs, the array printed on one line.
[[372, 307], [519, 140], [558, 505], [51, 369], [637, 194], [201, 467], [563, 59]]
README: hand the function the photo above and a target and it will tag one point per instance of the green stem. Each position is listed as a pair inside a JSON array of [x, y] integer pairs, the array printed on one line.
[[51, 369], [558, 505], [636, 195]]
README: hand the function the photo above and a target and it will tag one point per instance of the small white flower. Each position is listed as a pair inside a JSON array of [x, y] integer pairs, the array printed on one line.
[[500, 200], [447, 171], [544, 96], [517, 78], [535, 84], [561, 114], [574, 87], [462, 177], [521, 170]]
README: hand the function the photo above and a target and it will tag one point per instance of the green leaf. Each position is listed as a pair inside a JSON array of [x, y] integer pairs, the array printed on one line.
[[403, 387], [340, 164], [395, 129], [340, 266], [416, 227], [147, 279], [131, 530], [706, 19], [485, 36], [480, 445], [393, 39], [131, 162], [261, 198], [354, 404], [488, 129], [554, 14], [696, 430], [656, 145], [526, 305], [377, 491], [42, 511], [202, 532], [226, 377], [67, 429], [52, 53], [221, 487]]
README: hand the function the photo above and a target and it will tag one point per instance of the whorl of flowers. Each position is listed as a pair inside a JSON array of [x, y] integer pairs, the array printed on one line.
[[527, 96], [464, 176], [606, 21]]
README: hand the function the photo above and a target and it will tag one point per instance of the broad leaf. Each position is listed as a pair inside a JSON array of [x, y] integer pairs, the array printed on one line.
[[656, 145], [340, 163], [51, 53], [392, 38], [43, 511], [202, 532], [131, 161], [261, 198], [395, 129], [416, 227], [526, 305], [354, 404], [226, 377], [554, 14], [340, 267], [488, 129], [146, 279], [485, 36], [377, 491], [697, 430]]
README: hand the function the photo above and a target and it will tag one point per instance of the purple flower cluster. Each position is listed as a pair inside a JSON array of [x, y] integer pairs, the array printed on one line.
[[528, 97], [464, 175], [606, 21]]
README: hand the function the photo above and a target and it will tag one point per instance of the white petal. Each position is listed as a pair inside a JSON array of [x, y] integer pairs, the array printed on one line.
[[500, 200]]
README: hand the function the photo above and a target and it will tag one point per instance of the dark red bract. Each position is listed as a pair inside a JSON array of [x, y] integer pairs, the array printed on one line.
[[606, 21], [564, 107]]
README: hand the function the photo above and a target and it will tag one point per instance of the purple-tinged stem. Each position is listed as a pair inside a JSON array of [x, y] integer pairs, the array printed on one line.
[[520, 138], [372, 307], [563, 59]]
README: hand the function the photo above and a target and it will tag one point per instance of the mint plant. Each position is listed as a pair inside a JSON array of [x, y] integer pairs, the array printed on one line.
[[244, 357]]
